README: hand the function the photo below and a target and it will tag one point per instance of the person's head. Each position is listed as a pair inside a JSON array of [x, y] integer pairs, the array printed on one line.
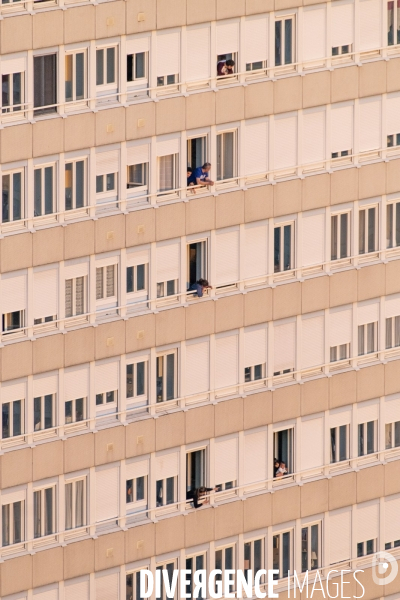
[[282, 465], [189, 171], [203, 282], [276, 462], [230, 64], [206, 167]]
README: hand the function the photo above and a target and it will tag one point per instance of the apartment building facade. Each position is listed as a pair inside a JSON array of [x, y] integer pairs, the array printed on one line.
[[121, 391]]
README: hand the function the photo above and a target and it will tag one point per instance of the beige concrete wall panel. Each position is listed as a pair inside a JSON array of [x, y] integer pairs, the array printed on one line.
[[258, 307], [227, 9], [316, 89], [259, 99], [170, 115], [79, 130], [199, 424], [110, 126], [140, 542], [79, 24], [314, 396], [286, 505], [48, 460], [392, 477], [109, 339], [228, 417], [287, 197], [140, 227], [200, 13], [48, 246], [229, 209], [342, 389], [393, 175], [16, 574], [228, 520], [140, 438], [16, 252], [16, 361], [370, 483], [78, 559], [372, 78], [393, 587], [79, 346], [109, 551], [200, 215], [170, 535], [365, 586], [48, 29], [286, 300], [16, 35], [199, 527], [343, 288], [170, 326], [141, 15], [109, 445], [79, 240], [200, 108], [344, 186], [171, 14], [372, 180], [344, 84], [257, 512], [316, 191], [140, 333], [140, 121], [170, 431], [392, 283], [258, 203], [370, 382], [16, 468], [314, 294], [288, 92], [229, 313], [79, 452], [254, 7], [281, 4], [48, 354], [371, 282], [342, 490], [257, 410], [230, 102], [393, 75], [314, 498], [170, 221], [16, 141], [110, 19], [392, 377], [286, 403], [200, 319], [109, 233], [48, 567]]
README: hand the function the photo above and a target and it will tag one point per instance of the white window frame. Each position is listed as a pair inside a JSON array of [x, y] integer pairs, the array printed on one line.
[[251, 566], [363, 547], [136, 189], [12, 221], [104, 192], [224, 182], [73, 162], [340, 353], [223, 567], [396, 24], [392, 209], [282, 226], [337, 239], [173, 564], [203, 259], [41, 490], [310, 566], [193, 568], [162, 289], [283, 64], [11, 528], [365, 440], [74, 297], [134, 584], [188, 467], [134, 363], [290, 450], [10, 110], [342, 51], [135, 79], [393, 140], [74, 421], [205, 149], [104, 86], [73, 482], [175, 175], [74, 100], [135, 504], [42, 413], [164, 492], [102, 399], [105, 270], [364, 332], [390, 435], [163, 355], [335, 454], [135, 292], [168, 80], [366, 210], [392, 332], [42, 168], [11, 420], [6, 320], [279, 564]]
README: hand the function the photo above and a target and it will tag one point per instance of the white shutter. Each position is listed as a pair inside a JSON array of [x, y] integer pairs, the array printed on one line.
[[339, 536], [313, 237], [138, 44], [255, 457], [370, 123], [256, 38], [312, 443], [313, 136], [392, 521], [393, 113], [342, 23], [312, 336], [370, 24], [167, 465], [45, 293], [107, 162], [137, 469], [168, 53], [107, 587], [392, 411], [226, 361], [256, 147], [198, 52], [367, 516], [340, 416], [45, 384], [13, 293], [285, 137], [139, 257], [76, 590], [255, 346], [13, 391], [341, 128], [226, 460], [367, 411], [137, 155], [227, 257], [392, 306], [79, 269], [107, 493], [314, 32], [168, 146], [12, 65], [76, 383], [340, 326], [255, 249], [197, 367], [227, 38], [106, 377], [368, 313], [168, 261], [47, 595], [284, 346]]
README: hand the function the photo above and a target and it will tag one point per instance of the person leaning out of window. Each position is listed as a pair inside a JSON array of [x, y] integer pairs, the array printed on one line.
[[200, 287], [225, 67], [200, 176]]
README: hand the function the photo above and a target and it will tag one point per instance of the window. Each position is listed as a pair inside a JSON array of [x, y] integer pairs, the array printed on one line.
[[75, 410], [253, 557], [367, 438], [367, 338], [136, 380], [253, 373], [137, 176], [167, 172], [340, 236], [393, 140], [341, 154], [282, 554], [197, 262], [12, 92], [224, 560], [284, 41], [260, 65], [196, 151], [392, 332], [390, 545], [106, 183], [106, 282], [393, 23], [166, 376], [167, 288], [75, 77], [310, 547], [392, 435], [393, 225], [340, 443], [226, 64], [341, 352], [45, 83], [136, 490], [43, 412], [106, 65], [193, 564], [195, 471], [74, 184], [283, 248], [44, 512], [13, 321], [75, 503], [136, 279], [136, 66], [44, 191], [367, 230], [341, 50], [167, 80], [12, 523], [169, 567], [12, 196], [75, 297], [133, 589], [12, 418], [226, 155], [166, 491], [366, 548], [106, 398], [283, 446]]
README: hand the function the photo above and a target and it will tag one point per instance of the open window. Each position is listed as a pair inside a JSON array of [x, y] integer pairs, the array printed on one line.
[[45, 84], [227, 156], [196, 261], [282, 554], [283, 450], [310, 547], [75, 76], [195, 470], [197, 151], [285, 41], [166, 378]]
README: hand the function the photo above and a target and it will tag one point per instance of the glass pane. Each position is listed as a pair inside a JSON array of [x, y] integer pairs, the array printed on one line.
[[334, 236], [140, 488], [99, 399], [361, 333], [343, 442], [285, 553], [110, 397], [389, 226], [68, 186], [79, 503], [170, 376], [5, 81], [159, 493], [48, 510], [80, 76], [48, 190], [17, 91], [229, 558], [48, 411], [79, 409], [110, 281], [140, 71], [110, 65], [68, 411], [68, 506], [37, 405], [17, 196], [6, 198], [79, 299], [99, 67], [397, 331], [160, 378], [166, 174], [129, 280], [37, 514], [314, 547], [277, 249], [129, 491], [333, 445], [17, 510], [219, 157], [343, 235], [361, 232], [288, 41], [80, 182], [140, 367], [257, 555], [110, 182], [287, 247], [361, 439], [140, 277], [397, 434], [229, 155], [37, 192], [371, 229], [388, 436], [17, 417], [390, 23], [398, 224], [370, 546], [5, 514], [170, 490], [304, 549], [278, 43], [129, 381], [388, 336], [370, 437], [68, 77], [370, 338]]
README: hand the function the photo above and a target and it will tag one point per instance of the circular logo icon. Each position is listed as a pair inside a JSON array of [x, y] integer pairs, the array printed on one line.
[[384, 568]]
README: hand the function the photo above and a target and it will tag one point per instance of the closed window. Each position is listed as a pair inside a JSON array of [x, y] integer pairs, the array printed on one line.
[[106, 282], [13, 321], [75, 296], [75, 503], [44, 190], [393, 23], [342, 50], [226, 155], [136, 380], [393, 140], [367, 338], [195, 471], [254, 373], [106, 183], [282, 554], [106, 65], [194, 563], [340, 236], [166, 381], [136, 490], [392, 332], [393, 225], [138, 176], [75, 410], [133, 587], [310, 547], [166, 491], [341, 153], [368, 230], [168, 172], [283, 248], [392, 435], [45, 83], [75, 76], [13, 522], [137, 66], [340, 443], [44, 412], [283, 451], [390, 545], [367, 434], [44, 513], [253, 557], [167, 79], [106, 398], [12, 196], [284, 41], [167, 288], [169, 567], [12, 92], [12, 417], [75, 185], [366, 548], [224, 561], [136, 279], [341, 352]]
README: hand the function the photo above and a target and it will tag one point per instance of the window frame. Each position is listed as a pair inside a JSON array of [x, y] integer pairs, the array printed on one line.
[[12, 221], [13, 436], [202, 270], [131, 187], [104, 401], [175, 175], [42, 520], [393, 224], [74, 412], [134, 363], [105, 269], [252, 560], [163, 496], [107, 85], [74, 185], [220, 577], [134, 585], [283, 64], [9, 110], [105, 191], [279, 563], [336, 236], [137, 80], [42, 399], [290, 464], [10, 329], [364, 438], [73, 481], [163, 355], [336, 452], [281, 259], [392, 332], [191, 565], [364, 338], [204, 150], [362, 548], [43, 189], [309, 542], [224, 181], [396, 25], [164, 566], [190, 469], [11, 521], [393, 438], [74, 292], [74, 100], [336, 353], [135, 505], [135, 291], [363, 241]]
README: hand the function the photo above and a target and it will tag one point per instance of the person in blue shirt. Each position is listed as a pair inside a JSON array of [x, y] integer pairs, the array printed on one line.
[[199, 287], [201, 175]]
